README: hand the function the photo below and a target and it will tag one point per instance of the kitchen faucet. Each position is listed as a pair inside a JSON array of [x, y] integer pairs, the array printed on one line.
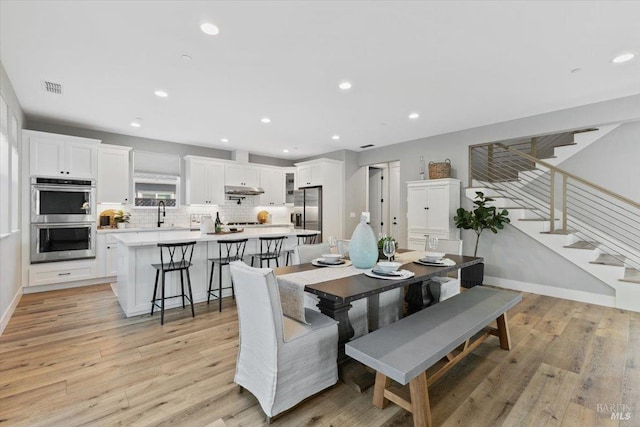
[[164, 212]]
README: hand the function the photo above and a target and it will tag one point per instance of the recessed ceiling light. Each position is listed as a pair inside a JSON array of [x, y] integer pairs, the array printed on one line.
[[209, 29], [335, 137], [345, 85], [265, 120], [225, 140], [285, 151], [623, 58], [160, 93], [136, 124], [414, 115]]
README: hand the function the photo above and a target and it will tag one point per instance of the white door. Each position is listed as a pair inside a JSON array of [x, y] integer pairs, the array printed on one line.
[[417, 207], [438, 212], [376, 197], [394, 199]]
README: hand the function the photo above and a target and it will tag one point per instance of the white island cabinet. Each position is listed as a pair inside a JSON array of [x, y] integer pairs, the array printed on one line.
[[137, 251]]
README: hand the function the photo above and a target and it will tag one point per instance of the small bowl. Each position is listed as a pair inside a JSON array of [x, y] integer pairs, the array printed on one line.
[[433, 256], [331, 258], [388, 267]]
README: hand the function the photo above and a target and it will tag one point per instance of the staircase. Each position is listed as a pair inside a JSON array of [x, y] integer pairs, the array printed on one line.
[[595, 229]]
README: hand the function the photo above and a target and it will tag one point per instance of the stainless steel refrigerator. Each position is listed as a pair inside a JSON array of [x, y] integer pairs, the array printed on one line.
[[307, 209]]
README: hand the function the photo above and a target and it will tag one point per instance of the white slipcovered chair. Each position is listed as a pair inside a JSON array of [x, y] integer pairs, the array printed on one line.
[[358, 313], [280, 360], [444, 287]]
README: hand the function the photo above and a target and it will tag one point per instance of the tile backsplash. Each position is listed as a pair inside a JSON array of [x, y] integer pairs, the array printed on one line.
[[231, 211]]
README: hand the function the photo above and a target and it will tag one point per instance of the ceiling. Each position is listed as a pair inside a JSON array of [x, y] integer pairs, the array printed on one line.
[[457, 64]]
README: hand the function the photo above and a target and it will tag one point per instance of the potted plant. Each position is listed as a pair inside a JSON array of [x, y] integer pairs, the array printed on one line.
[[121, 217], [481, 218]]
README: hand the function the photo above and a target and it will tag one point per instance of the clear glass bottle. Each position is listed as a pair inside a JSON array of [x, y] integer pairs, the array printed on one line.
[[422, 168]]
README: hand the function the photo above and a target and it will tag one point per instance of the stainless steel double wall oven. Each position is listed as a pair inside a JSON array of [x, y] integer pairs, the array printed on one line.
[[62, 219]]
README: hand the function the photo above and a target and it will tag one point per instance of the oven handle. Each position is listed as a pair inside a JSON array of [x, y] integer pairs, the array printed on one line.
[[75, 188]]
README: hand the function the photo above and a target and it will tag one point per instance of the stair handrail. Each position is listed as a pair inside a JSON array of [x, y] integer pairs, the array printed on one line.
[[570, 175]]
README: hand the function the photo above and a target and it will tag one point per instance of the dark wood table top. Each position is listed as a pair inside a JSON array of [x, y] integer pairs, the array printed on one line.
[[352, 288]]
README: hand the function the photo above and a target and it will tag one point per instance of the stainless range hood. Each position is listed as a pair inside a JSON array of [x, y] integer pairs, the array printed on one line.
[[237, 190]]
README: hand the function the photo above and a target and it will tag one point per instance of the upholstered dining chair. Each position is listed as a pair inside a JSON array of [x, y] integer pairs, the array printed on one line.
[[280, 360], [358, 313]]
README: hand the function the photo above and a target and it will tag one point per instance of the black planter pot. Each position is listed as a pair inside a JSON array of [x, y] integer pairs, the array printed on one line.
[[472, 276]]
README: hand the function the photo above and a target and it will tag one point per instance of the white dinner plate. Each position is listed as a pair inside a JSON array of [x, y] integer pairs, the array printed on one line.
[[316, 262], [405, 274], [444, 262]]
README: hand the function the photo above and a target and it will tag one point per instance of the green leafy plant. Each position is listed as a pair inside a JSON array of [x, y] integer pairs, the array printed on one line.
[[381, 241], [481, 218], [121, 216]]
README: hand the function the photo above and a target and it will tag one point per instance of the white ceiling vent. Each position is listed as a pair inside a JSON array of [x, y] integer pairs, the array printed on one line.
[[52, 87]]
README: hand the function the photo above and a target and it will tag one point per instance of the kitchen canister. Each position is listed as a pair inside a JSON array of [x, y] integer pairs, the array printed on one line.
[[363, 249]]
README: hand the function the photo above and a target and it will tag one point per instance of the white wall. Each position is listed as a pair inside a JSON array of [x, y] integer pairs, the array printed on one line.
[[535, 263], [10, 259]]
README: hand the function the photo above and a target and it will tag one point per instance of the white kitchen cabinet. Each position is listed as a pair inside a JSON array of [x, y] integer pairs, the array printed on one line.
[[113, 174], [431, 206], [61, 272], [204, 181], [310, 174], [272, 182], [62, 155], [243, 175], [106, 255]]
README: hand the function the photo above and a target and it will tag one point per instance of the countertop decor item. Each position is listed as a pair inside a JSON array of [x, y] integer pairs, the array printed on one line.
[[363, 250], [440, 170], [263, 217], [121, 217]]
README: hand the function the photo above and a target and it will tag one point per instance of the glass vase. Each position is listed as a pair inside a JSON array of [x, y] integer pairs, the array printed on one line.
[[363, 249]]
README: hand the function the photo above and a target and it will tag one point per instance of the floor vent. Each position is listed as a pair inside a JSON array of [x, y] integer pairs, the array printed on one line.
[[52, 87], [367, 146]]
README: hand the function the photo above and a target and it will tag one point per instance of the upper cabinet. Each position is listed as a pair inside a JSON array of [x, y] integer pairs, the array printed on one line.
[[310, 174], [272, 182], [241, 175], [204, 181], [113, 174], [62, 155]]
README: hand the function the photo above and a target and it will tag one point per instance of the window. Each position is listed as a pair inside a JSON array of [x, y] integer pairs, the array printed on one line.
[[15, 176], [4, 168]]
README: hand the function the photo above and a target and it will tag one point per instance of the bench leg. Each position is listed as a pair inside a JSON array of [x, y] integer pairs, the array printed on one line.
[[503, 332], [420, 401], [382, 382]]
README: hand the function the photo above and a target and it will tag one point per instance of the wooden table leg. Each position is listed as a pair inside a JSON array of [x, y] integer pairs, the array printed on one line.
[[503, 332], [340, 312], [420, 401]]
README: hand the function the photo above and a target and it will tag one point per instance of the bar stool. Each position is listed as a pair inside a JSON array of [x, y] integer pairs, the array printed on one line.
[[303, 239], [270, 248], [178, 257], [228, 251]]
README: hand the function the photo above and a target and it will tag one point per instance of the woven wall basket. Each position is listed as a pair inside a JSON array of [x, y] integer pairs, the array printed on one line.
[[440, 170]]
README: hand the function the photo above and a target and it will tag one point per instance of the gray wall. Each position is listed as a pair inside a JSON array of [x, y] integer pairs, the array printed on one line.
[[535, 268], [10, 246]]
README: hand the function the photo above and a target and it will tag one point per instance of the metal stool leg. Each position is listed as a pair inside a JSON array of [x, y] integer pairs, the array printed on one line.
[[155, 293], [193, 313], [213, 266], [182, 287], [162, 300]]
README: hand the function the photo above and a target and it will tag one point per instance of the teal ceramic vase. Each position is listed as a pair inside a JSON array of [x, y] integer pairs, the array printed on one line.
[[363, 249]]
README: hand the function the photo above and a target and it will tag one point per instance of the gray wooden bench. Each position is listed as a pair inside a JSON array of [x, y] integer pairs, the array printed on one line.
[[440, 334]]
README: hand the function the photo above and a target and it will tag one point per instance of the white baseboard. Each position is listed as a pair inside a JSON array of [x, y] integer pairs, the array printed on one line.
[[4, 321], [551, 291]]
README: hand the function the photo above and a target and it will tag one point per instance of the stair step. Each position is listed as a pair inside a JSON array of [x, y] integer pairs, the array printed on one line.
[[537, 219], [559, 232], [565, 145], [631, 275], [581, 244], [608, 259], [514, 207]]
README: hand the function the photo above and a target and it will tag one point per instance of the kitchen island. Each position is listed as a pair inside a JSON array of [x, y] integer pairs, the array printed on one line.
[[137, 251]]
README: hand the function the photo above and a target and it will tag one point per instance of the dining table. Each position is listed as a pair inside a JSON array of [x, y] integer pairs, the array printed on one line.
[[336, 295]]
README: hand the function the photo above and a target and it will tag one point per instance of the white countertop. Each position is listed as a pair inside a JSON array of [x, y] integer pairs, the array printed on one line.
[[182, 228], [177, 235]]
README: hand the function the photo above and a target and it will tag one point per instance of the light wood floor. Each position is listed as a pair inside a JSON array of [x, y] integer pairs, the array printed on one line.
[[71, 357]]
